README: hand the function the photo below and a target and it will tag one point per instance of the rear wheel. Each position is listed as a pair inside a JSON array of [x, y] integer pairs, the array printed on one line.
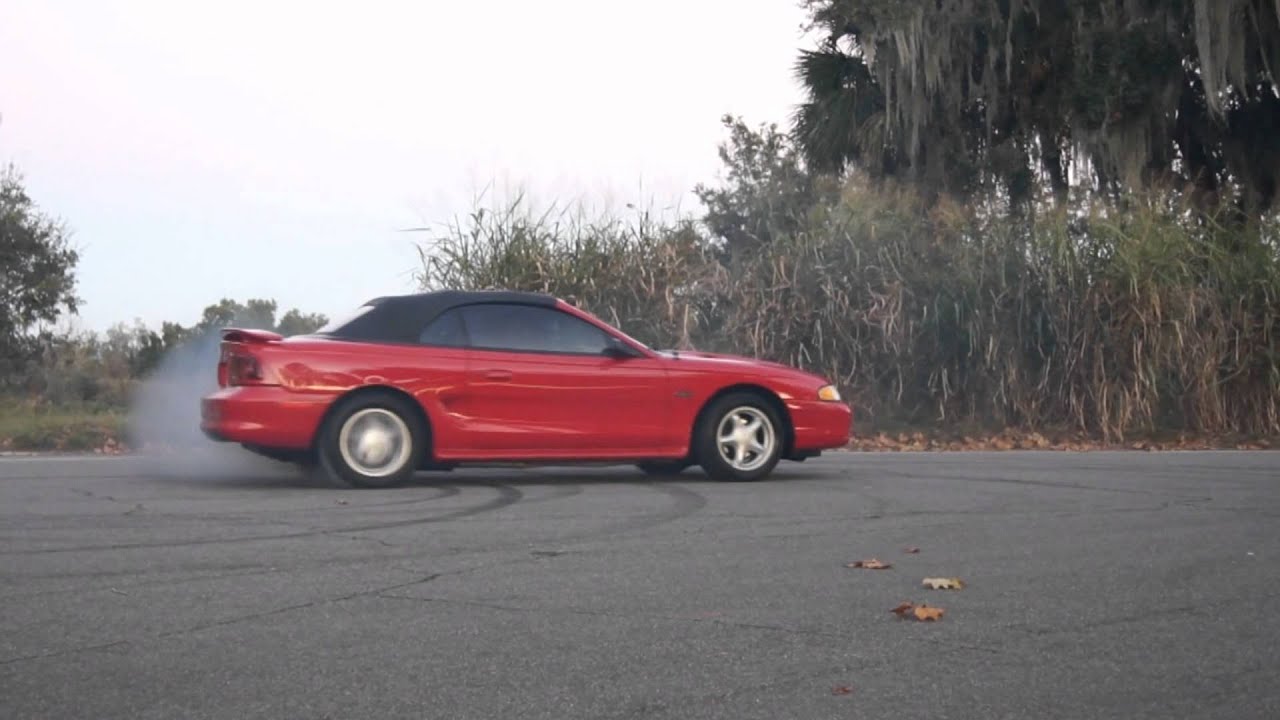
[[739, 438], [372, 440]]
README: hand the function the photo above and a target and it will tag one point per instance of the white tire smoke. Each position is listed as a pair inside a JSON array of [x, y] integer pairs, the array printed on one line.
[[164, 417]]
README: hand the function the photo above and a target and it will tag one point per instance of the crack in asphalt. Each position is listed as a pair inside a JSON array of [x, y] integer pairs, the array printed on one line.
[[60, 653], [293, 608], [379, 541]]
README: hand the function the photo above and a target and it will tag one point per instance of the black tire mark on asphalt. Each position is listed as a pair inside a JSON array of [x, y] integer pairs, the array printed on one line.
[[686, 502], [561, 492], [507, 495], [442, 492], [445, 491]]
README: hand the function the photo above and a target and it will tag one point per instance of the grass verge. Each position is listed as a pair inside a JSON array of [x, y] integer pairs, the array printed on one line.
[[55, 430]]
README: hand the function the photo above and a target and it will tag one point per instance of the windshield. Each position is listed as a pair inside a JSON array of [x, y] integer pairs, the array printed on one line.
[[611, 327]]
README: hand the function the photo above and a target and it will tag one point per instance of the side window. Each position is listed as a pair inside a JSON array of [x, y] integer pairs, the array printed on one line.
[[528, 328], [445, 331]]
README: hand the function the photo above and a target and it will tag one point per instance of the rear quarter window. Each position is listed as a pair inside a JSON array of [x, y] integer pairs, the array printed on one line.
[[445, 331]]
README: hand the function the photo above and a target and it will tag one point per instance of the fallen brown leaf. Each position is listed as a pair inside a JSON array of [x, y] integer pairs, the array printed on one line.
[[872, 564], [944, 583], [925, 613], [842, 690], [922, 612], [902, 609]]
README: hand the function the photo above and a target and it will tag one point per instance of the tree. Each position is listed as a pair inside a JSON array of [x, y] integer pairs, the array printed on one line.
[[256, 313], [37, 264], [967, 96], [296, 322], [765, 192]]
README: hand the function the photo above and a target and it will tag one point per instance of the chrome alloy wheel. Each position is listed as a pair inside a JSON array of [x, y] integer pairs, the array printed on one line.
[[375, 442], [746, 438]]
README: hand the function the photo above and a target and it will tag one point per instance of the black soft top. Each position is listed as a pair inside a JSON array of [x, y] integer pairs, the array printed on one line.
[[401, 318]]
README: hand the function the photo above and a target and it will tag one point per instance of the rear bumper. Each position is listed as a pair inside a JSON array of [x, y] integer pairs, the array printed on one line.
[[820, 425], [267, 416]]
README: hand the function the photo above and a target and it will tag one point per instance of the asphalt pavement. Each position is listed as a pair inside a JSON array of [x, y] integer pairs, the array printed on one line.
[[1098, 585]]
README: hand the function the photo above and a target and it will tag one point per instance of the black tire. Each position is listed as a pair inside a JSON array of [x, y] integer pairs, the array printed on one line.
[[278, 454], [313, 473], [707, 448], [335, 468], [663, 468]]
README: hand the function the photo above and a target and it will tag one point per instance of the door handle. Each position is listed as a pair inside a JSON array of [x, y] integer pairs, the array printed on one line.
[[498, 375]]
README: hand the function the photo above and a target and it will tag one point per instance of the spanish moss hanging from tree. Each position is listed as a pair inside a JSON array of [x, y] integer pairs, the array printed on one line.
[[972, 97]]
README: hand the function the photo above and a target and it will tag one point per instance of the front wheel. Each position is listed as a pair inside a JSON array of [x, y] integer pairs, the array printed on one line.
[[372, 441], [739, 438]]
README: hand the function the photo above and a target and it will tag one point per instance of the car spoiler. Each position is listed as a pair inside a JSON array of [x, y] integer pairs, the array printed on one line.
[[250, 337]]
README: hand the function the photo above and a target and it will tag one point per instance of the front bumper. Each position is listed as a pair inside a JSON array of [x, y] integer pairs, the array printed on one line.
[[820, 425], [266, 416]]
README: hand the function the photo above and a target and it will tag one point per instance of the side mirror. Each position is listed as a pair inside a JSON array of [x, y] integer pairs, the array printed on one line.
[[615, 348]]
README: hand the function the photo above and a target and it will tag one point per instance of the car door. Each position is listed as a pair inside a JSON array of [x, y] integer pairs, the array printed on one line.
[[439, 379], [540, 385]]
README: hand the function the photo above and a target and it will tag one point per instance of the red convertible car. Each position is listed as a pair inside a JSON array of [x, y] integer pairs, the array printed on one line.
[[442, 379]]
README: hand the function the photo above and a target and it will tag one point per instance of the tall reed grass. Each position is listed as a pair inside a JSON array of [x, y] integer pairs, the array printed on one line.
[[658, 281], [1079, 316]]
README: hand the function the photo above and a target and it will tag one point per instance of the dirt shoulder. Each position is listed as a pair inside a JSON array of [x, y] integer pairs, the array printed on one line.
[[1011, 439]]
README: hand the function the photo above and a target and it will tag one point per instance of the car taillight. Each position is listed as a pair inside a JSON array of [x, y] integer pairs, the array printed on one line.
[[240, 369]]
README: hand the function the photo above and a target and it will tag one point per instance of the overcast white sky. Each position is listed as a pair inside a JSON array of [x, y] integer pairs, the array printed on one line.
[[273, 149]]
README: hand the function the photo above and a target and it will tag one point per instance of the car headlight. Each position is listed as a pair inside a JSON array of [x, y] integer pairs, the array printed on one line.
[[829, 392]]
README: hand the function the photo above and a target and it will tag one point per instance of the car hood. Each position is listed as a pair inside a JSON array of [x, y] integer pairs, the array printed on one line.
[[719, 362]]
